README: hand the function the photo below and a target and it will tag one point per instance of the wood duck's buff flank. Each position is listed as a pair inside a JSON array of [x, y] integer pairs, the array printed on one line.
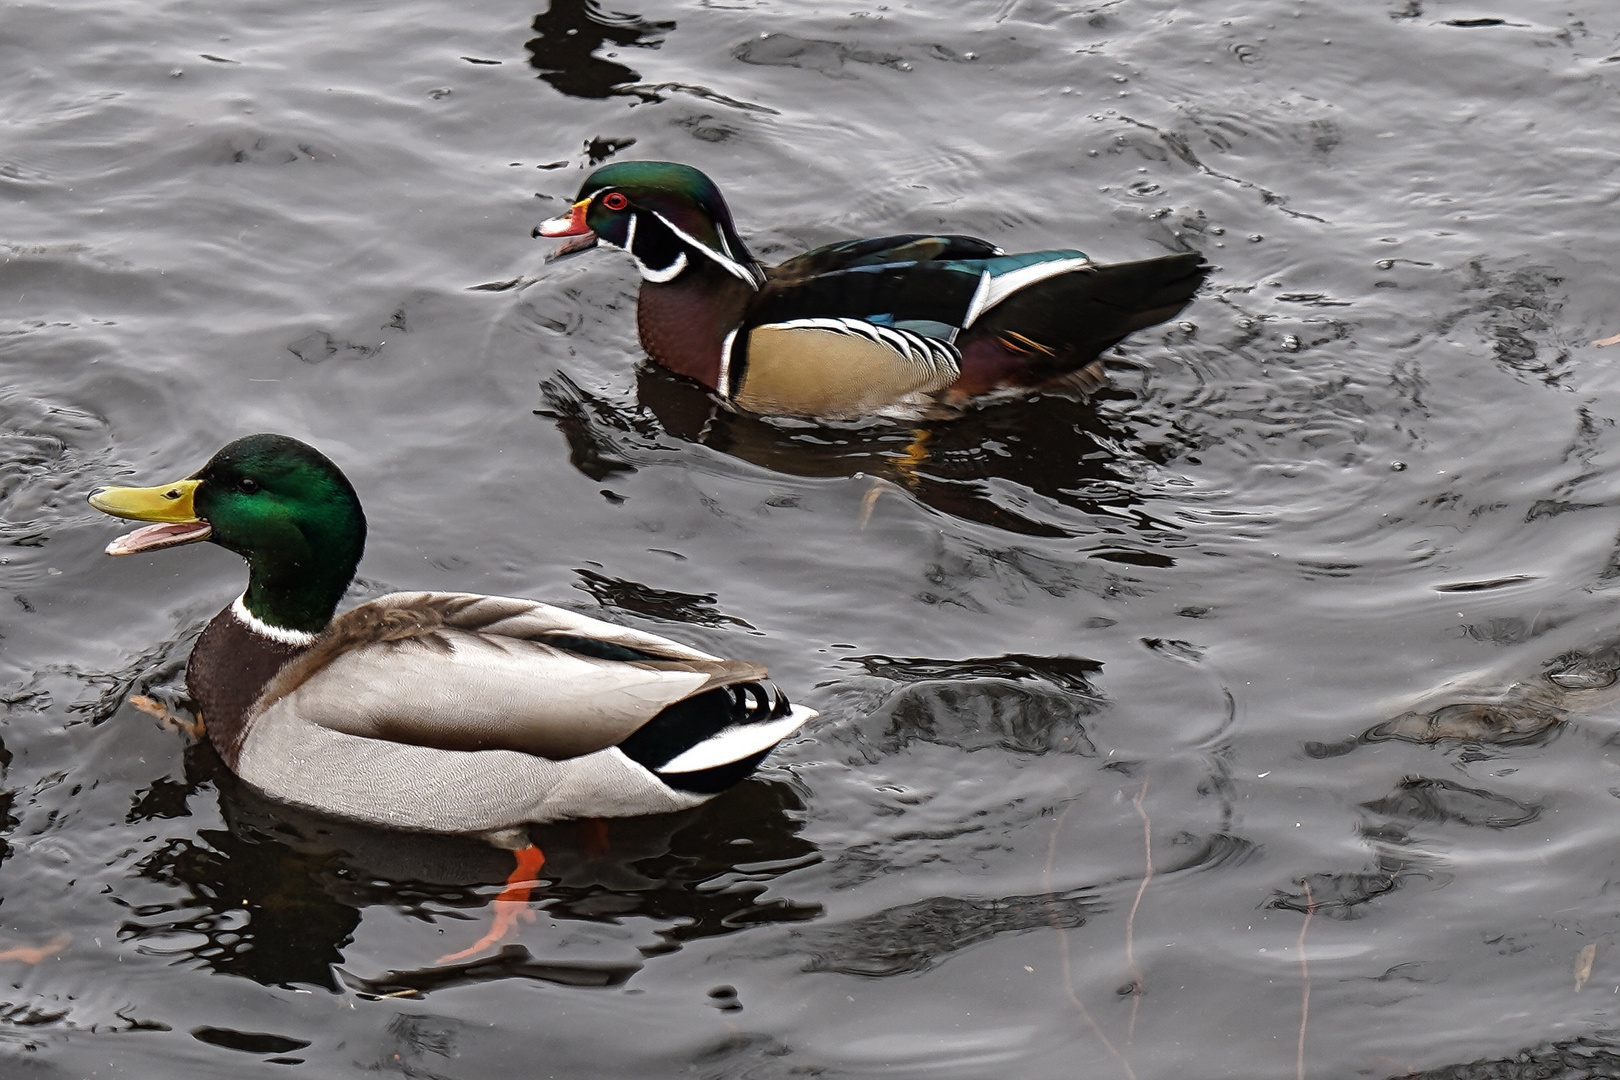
[[865, 325], [438, 712]]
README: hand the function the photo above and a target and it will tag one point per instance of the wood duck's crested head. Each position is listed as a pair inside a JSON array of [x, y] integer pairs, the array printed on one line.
[[669, 217], [279, 503]]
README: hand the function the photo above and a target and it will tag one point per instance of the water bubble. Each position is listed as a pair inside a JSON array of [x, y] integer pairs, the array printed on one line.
[[1255, 238], [1397, 466], [1290, 342], [1385, 264]]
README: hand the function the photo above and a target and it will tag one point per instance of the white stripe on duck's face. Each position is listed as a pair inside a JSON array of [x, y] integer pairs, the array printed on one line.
[[658, 253], [662, 249], [723, 257]]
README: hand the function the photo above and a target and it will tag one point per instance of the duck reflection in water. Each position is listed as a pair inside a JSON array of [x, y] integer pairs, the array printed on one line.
[[1030, 466], [568, 35], [277, 896], [1493, 708]]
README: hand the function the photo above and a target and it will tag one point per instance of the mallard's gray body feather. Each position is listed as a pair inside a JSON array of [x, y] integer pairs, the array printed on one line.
[[459, 671], [400, 786], [459, 713]]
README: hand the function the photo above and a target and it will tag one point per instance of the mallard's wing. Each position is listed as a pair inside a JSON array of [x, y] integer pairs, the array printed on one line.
[[457, 671]]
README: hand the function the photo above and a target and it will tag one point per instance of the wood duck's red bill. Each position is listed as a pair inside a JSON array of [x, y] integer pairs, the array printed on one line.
[[571, 224]]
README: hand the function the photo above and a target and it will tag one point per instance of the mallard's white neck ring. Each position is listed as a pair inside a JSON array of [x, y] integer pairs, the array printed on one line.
[[264, 629]]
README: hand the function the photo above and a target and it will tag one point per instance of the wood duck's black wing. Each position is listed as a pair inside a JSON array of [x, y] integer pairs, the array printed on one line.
[[888, 293], [935, 297], [875, 250]]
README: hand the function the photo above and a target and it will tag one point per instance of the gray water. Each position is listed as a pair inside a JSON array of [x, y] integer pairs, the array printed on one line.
[[1250, 720]]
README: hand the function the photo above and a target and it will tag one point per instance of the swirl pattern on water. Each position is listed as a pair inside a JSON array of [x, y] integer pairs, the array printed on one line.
[[1308, 614]]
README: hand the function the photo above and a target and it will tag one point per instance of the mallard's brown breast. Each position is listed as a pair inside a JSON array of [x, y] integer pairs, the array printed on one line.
[[229, 667]]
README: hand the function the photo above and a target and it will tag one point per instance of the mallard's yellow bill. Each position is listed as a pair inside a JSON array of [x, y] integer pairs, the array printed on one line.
[[169, 504]]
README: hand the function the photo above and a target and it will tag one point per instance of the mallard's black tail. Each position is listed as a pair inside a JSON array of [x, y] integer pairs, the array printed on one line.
[[712, 740]]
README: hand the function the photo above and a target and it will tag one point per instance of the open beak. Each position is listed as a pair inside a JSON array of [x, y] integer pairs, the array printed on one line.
[[570, 224], [170, 505]]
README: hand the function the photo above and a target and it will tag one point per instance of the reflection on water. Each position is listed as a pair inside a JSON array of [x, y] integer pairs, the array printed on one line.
[[1575, 1059], [1576, 682], [569, 34], [1021, 466], [1284, 665], [1020, 704], [277, 896], [1425, 800], [915, 937]]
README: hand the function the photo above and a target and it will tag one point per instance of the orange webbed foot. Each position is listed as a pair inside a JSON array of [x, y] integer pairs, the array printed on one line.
[[154, 707]]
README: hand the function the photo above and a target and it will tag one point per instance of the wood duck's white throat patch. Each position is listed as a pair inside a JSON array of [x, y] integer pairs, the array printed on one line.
[[668, 273]]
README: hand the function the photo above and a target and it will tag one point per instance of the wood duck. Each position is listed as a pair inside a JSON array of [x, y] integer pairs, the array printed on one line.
[[891, 324], [434, 712]]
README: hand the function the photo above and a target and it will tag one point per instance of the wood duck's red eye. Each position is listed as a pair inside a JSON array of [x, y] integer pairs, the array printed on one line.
[[615, 201]]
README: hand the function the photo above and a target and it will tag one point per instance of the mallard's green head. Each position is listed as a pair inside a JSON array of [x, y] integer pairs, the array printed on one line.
[[664, 214], [278, 503]]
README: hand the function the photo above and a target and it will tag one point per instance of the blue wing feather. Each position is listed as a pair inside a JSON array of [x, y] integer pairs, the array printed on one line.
[[866, 279]]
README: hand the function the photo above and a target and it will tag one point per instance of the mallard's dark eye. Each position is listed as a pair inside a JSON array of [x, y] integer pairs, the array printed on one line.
[[247, 485], [613, 200]]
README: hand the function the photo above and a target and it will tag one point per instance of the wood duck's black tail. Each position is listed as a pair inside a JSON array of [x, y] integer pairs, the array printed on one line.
[[1067, 321]]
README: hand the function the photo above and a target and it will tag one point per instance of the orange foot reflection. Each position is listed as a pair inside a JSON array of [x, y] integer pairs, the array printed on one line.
[[33, 954], [511, 905]]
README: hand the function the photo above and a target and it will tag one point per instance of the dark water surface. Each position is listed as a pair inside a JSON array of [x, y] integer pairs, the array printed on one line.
[[1284, 666]]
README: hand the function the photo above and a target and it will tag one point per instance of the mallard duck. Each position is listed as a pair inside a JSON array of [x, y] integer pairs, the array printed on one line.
[[435, 712], [886, 324]]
